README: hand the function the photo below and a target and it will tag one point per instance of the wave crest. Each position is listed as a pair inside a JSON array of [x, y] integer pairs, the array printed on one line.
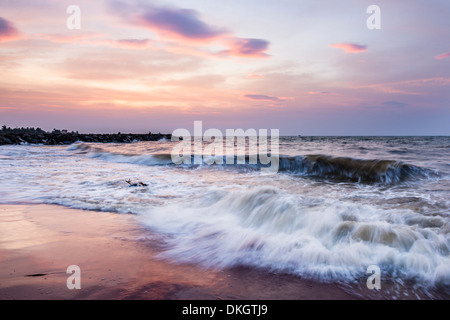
[[357, 170], [314, 166]]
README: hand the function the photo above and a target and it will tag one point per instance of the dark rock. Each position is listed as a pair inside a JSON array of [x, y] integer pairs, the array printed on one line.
[[6, 141], [57, 138], [136, 184]]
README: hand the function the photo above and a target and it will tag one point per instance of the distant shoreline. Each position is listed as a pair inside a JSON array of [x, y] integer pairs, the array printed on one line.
[[51, 138]]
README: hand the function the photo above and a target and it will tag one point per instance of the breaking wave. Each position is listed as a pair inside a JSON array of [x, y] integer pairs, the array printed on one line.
[[358, 170], [315, 166], [323, 239]]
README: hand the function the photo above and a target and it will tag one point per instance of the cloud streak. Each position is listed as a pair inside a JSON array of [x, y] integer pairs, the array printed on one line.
[[95, 39], [169, 22], [394, 104], [133, 43], [443, 56], [175, 23], [64, 38], [240, 47], [187, 27], [350, 47], [7, 31], [262, 97], [314, 93]]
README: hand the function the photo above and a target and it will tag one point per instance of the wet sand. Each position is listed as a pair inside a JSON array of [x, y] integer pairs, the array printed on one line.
[[39, 242]]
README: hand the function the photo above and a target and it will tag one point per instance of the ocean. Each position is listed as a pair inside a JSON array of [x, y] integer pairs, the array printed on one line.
[[336, 206]]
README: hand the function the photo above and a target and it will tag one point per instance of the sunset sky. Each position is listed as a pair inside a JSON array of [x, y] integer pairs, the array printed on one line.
[[309, 67]]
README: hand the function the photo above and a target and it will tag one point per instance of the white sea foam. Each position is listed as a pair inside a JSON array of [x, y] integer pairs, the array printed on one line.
[[326, 240]]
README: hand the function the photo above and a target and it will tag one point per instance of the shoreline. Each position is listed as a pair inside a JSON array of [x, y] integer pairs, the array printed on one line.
[[118, 262]]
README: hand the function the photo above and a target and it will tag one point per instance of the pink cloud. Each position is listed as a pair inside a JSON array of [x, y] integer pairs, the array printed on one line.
[[314, 93], [187, 27], [350, 47], [169, 22], [133, 43], [95, 39], [443, 56], [184, 23], [7, 31], [240, 47], [64, 38], [254, 76]]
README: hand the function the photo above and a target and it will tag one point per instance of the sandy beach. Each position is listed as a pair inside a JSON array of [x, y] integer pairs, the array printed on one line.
[[39, 242]]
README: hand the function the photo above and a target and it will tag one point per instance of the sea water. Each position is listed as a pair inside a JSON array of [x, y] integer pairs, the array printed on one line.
[[336, 206]]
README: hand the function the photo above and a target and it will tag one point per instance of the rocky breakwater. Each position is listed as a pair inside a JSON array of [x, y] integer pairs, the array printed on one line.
[[52, 138]]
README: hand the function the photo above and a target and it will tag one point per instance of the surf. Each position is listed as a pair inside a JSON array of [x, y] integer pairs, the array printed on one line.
[[326, 240], [381, 171]]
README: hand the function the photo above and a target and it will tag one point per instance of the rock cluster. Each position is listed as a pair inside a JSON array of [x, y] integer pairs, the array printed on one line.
[[48, 138]]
